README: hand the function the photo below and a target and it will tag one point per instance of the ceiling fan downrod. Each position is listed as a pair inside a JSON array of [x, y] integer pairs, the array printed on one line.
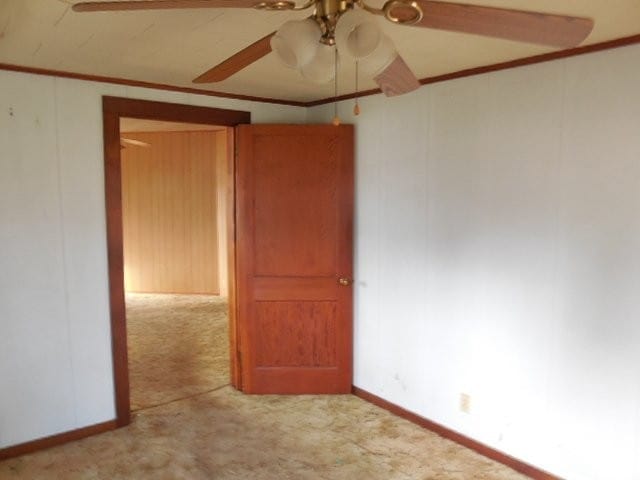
[[328, 12], [281, 5]]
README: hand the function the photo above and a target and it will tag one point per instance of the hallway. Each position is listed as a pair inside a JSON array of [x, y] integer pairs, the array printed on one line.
[[178, 346]]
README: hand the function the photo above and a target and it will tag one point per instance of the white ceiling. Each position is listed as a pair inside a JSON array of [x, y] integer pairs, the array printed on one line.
[[174, 46]]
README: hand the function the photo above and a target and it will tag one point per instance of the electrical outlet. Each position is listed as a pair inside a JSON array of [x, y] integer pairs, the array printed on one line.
[[465, 403]]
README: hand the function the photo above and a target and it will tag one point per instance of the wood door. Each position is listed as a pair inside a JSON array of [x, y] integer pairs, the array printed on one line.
[[294, 244]]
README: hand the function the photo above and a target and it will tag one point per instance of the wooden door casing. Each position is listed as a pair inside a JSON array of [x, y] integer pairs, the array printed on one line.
[[113, 109], [294, 242]]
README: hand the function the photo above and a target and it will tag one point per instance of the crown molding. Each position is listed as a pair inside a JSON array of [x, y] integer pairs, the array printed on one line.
[[139, 83], [521, 62]]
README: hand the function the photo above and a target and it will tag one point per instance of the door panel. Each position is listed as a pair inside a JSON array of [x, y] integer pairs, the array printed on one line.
[[296, 334], [294, 242]]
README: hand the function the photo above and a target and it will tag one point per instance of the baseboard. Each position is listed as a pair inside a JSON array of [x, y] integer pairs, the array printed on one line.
[[463, 440], [54, 440]]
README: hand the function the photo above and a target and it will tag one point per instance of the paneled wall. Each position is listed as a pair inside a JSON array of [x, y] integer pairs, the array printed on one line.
[[498, 255], [223, 175], [170, 226], [55, 337]]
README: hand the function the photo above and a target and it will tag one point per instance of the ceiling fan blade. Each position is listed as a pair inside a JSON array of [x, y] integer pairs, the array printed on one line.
[[130, 141], [397, 79], [161, 5], [237, 62], [522, 26]]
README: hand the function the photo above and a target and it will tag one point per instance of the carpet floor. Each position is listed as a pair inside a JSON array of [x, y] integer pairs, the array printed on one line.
[[200, 428], [178, 346]]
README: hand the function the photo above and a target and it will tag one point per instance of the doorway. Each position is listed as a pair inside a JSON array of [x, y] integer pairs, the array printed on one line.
[[175, 261], [114, 110]]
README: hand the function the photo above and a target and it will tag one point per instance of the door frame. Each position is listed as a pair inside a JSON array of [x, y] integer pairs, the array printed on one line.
[[113, 108]]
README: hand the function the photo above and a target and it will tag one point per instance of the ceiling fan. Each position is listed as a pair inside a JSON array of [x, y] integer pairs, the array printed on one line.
[[349, 26]]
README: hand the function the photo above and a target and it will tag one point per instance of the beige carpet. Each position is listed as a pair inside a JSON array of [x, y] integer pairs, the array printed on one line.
[[178, 346], [223, 434]]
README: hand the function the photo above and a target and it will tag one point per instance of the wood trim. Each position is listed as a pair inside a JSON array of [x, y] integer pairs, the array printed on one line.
[[114, 108], [509, 461], [139, 83], [234, 341], [54, 440], [521, 62], [173, 112], [115, 258]]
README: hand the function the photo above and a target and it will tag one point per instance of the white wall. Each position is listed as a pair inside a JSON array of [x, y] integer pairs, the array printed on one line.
[[55, 350], [497, 247], [498, 254]]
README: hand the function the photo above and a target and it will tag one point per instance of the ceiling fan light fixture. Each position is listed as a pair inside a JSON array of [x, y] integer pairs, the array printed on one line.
[[296, 42], [322, 68], [357, 33], [380, 58]]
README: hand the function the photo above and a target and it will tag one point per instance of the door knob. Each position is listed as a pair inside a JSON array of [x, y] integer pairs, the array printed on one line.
[[344, 281]]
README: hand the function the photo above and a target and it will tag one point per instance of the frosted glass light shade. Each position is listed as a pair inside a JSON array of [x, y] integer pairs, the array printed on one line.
[[321, 69], [357, 33], [296, 42], [375, 63]]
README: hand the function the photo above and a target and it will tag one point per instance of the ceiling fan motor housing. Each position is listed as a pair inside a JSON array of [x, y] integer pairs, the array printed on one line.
[[327, 14]]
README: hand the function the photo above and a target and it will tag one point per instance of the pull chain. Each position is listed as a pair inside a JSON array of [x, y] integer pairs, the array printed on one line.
[[356, 107]]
